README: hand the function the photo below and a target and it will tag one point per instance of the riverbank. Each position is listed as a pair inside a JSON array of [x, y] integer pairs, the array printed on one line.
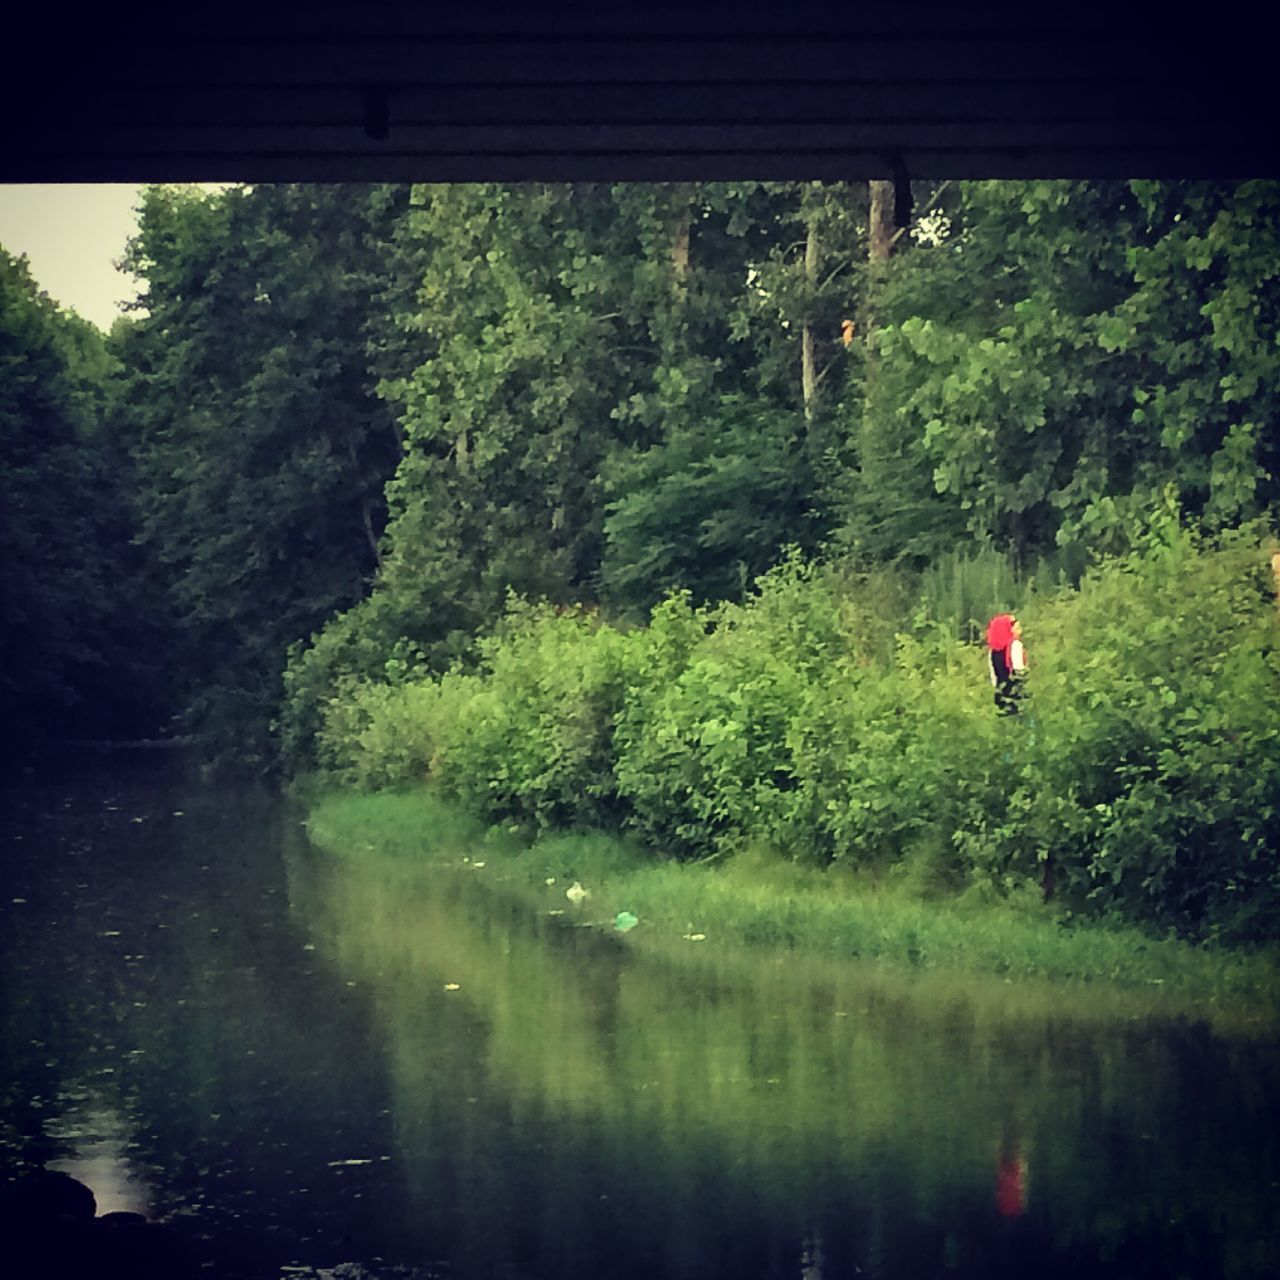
[[755, 899]]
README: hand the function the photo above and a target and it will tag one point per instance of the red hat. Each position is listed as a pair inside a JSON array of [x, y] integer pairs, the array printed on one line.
[[1000, 631]]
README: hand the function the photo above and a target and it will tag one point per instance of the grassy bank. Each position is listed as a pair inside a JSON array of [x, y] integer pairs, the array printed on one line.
[[1145, 769], [755, 899]]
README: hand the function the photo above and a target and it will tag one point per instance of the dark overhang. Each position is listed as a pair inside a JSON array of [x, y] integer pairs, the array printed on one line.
[[507, 93]]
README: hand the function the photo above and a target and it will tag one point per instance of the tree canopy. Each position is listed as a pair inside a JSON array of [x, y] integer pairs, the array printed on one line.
[[345, 423]]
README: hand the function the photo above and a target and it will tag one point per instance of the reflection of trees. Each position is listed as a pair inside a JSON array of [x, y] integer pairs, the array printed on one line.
[[158, 979], [572, 1066]]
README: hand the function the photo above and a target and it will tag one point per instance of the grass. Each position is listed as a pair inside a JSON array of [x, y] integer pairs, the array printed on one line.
[[760, 900]]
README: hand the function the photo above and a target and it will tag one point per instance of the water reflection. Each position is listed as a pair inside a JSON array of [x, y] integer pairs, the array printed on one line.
[[304, 1066], [756, 1117], [1012, 1178], [98, 1154]]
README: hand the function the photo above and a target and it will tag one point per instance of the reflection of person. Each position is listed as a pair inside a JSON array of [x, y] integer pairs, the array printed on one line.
[[1008, 661], [1011, 1181]]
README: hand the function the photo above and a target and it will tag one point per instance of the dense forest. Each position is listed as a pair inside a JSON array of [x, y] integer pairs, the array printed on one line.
[[727, 475]]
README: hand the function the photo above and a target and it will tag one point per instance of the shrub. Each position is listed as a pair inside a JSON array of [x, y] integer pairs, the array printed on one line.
[[535, 744], [1152, 776], [367, 645], [899, 758], [377, 735], [1143, 775], [707, 739]]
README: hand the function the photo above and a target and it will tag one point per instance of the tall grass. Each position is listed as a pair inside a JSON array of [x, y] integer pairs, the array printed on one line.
[[758, 899], [964, 587]]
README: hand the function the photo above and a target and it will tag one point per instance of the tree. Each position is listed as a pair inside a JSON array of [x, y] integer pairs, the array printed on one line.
[[708, 510], [1201, 328], [260, 446], [1064, 354], [990, 382], [74, 631]]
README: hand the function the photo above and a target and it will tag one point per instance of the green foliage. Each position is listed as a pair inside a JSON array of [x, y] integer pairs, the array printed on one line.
[[260, 450], [823, 720], [988, 371], [597, 390], [373, 643], [708, 510], [377, 735], [409, 824], [1044, 370], [1151, 775], [1202, 324], [75, 629], [902, 757], [536, 744], [704, 756], [527, 739], [966, 586], [353, 422]]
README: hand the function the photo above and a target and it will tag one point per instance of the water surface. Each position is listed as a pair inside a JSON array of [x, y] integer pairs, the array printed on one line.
[[310, 1066]]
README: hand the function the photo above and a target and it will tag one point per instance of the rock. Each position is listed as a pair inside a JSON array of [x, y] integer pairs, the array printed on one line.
[[49, 1232]]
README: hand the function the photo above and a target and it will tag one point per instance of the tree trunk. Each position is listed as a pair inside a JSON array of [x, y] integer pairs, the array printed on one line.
[[882, 228], [885, 205], [808, 363], [889, 212], [682, 218], [367, 520]]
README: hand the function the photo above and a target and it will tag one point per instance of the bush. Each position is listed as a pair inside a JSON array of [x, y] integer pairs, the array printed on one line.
[[1142, 778], [377, 735], [536, 745], [1150, 774], [899, 758], [964, 586], [367, 645], [709, 737]]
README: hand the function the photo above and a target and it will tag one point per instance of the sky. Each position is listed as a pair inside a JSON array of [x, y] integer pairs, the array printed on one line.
[[72, 235]]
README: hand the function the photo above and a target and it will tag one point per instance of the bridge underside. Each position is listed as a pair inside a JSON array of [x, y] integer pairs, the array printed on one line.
[[638, 92]]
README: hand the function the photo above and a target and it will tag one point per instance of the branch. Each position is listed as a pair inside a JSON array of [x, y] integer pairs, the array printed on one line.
[[844, 266], [367, 520], [825, 370]]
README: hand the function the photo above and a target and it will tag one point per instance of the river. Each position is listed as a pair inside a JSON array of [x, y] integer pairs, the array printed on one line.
[[313, 1068]]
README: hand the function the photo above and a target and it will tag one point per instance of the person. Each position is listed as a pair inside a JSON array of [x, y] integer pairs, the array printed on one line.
[[1007, 659]]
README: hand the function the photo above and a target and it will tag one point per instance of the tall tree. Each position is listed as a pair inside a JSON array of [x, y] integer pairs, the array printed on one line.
[[989, 382], [1067, 351], [261, 447], [74, 628], [1201, 330], [729, 474], [524, 330]]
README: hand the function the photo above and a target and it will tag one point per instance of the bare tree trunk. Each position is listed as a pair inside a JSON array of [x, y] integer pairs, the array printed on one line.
[[888, 216], [887, 203], [682, 216], [882, 228], [808, 363], [367, 520]]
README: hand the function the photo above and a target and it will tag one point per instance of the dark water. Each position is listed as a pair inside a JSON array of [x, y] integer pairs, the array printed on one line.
[[310, 1069]]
